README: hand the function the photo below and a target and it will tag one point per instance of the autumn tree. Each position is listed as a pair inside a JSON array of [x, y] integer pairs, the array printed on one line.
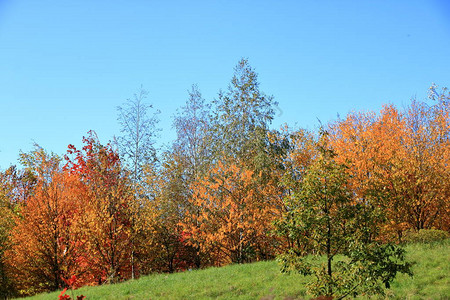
[[440, 112], [106, 223], [424, 184], [43, 251], [16, 187], [234, 222], [399, 161], [6, 225], [366, 148]]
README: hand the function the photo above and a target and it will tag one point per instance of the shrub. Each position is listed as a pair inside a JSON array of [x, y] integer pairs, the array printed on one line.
[[425, 236]]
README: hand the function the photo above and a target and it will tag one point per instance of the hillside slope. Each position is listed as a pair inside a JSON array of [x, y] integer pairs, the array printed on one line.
[[263, 280]]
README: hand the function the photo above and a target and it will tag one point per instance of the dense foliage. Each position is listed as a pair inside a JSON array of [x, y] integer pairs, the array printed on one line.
[[229, 190]]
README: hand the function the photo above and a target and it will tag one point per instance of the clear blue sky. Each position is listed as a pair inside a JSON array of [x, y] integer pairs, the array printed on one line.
[[66, 65]]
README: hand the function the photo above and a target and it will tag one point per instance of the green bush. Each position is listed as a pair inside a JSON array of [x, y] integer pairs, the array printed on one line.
[[426, 236]]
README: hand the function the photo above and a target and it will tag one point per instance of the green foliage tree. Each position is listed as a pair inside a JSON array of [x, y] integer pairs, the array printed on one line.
[[241, 119], [39, 164], [327, 218]]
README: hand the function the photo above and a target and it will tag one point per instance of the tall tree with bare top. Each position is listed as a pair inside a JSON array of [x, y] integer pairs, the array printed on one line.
[[138, 120], [137, 145], [192, 125]]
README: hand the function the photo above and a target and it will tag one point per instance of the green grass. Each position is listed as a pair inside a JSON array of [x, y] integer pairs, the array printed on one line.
[[263, 280], [431, 278]]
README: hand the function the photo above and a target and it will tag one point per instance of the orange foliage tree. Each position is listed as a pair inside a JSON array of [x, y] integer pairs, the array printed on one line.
[[425, 184], [235, 215], [399, 162], [43, 250]]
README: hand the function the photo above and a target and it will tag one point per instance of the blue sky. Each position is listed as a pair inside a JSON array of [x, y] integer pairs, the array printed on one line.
[[66, 65]]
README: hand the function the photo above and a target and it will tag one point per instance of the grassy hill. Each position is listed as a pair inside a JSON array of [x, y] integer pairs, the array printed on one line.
[[263, 280]]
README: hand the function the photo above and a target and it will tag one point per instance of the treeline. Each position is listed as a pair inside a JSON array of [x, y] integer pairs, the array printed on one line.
[[229, 190]]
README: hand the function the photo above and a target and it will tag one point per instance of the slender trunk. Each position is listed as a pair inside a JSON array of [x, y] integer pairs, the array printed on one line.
[[136, 177], [56, 271], [329, 272], [132, 261], [399, 236], [197, 259], [329, 256]]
